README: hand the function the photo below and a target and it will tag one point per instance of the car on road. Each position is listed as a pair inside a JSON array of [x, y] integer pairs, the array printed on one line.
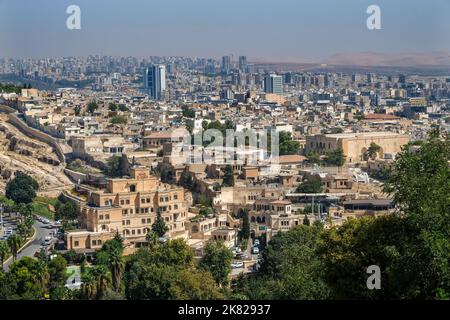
[[236, 250], [237, 265], [241, 255]]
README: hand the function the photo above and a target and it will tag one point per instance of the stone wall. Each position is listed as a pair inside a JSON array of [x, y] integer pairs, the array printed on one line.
[[32, 133]]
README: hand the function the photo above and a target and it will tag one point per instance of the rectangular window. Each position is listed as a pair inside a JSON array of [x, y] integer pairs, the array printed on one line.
[[76, 244]]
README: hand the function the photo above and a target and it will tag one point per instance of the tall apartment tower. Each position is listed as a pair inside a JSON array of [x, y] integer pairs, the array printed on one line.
[[243, 63], [226, 64], [273, 84], [155, 81]]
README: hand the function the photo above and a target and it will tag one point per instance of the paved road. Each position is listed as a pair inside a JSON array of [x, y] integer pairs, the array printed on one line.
[[248, 252], [41, 232]]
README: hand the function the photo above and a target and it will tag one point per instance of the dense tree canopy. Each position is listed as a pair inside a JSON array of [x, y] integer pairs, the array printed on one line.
[[167, 272], [312, 185], [287, 145], [217, 261], [21, 189]]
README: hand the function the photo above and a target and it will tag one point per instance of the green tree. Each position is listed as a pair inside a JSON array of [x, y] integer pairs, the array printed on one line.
[[194, 285], [291, 268], [57, 271], [313, 157], [244, 233], [167, 173], [335, 158], [313, 185], [77, 111], [306, 221], [112, 107], [159, 226], [152, 238], [14, 243], [420, 185], [347, 252], [23, 230], [21, 189], [287, 145], [30, 278], [114, 167], [186, 180], [188, 112], [228, 177], [167, 271], [116, 266], [372, 151], [118, 120], [92, 107], [123, 107], [67, 211], [217, 260], [4, 250]]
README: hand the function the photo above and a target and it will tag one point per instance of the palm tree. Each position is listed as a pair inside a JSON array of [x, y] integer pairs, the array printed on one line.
[[89, 287], [22, 230], [14, 243], [4, 249], [41, 275], [116, 266], [102, 279]]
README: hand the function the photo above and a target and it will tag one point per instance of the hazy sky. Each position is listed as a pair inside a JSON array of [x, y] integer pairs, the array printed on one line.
[[294, 30]]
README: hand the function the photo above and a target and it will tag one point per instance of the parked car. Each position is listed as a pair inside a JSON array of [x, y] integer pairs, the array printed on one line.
[[241, 255], [237, 264], [255, 250], [235, 250], [256, 242]]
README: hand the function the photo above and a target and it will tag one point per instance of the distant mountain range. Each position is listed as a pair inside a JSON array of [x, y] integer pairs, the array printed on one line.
[[373, 59]]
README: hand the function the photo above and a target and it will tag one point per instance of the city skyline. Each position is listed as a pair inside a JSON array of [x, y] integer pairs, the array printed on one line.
[[292, 31]]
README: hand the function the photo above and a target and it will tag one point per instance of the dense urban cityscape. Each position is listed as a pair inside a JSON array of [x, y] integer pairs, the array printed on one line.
[[224, 178]]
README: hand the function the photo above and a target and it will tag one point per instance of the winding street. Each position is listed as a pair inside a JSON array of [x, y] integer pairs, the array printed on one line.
[[42, 231]]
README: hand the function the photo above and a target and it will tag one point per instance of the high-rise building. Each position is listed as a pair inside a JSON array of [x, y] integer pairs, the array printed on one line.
[[273, 83], [226, 64], [243, 63], [371, 78], [155, 81]]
